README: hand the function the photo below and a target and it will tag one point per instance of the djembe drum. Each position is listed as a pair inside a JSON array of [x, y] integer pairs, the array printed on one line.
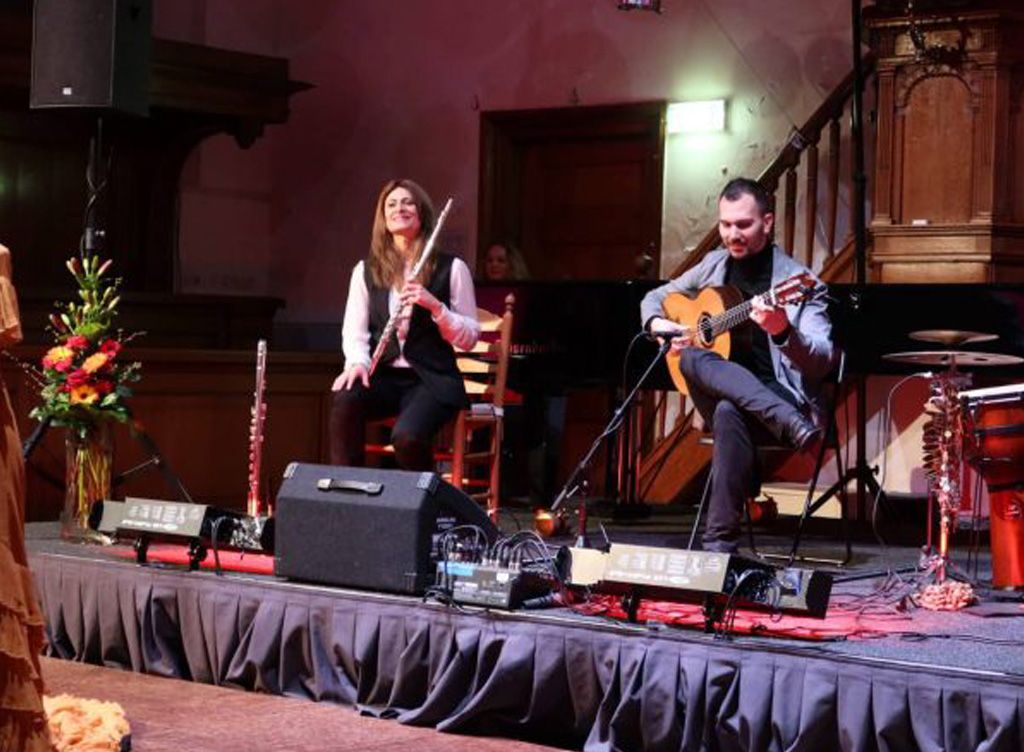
[[994, 445]]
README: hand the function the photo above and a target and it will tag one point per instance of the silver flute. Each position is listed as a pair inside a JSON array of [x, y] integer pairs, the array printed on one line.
[[389, 328]]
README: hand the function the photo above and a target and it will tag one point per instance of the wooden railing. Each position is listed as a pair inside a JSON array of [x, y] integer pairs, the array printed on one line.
[[673, 457], [821, 221]]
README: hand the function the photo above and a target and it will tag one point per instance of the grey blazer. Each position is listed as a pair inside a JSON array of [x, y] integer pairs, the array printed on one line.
[[807, 356]]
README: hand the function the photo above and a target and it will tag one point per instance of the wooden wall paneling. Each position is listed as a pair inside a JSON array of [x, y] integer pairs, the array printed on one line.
[[1015, 147], [196, 407]]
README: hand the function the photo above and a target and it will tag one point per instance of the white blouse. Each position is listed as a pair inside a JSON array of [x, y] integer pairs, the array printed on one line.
[[458, 323]]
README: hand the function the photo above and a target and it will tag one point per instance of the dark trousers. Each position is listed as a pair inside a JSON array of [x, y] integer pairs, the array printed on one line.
[[742, 413], [392, 391]]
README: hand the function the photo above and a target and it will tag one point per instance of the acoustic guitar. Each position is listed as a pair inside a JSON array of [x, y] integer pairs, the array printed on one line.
[[717, 310]]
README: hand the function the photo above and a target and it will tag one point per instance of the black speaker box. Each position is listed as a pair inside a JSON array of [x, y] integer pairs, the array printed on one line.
[[92, 53], [366, 527]]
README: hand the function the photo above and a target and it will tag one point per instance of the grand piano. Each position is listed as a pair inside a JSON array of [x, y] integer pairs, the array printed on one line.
[[570, 335], [574, 335]]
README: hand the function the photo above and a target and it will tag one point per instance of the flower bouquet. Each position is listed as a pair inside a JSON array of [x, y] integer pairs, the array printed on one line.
[[84, 387]]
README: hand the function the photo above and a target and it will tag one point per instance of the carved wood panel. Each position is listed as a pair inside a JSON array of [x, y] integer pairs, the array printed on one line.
[[948, 204], [937, 179]]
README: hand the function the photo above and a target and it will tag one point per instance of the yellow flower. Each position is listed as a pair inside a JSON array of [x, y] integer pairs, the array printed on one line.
[[95, 362], [84, 395], [59, 358]]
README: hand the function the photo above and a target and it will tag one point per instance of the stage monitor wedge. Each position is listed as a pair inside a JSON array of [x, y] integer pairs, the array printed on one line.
[[92, 54], [367, 528]]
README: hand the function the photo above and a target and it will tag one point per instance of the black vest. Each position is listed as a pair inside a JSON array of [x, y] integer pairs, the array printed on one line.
[[431, 357]]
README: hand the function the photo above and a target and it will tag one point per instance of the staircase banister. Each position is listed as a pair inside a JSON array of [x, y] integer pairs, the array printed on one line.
[[789, 157]]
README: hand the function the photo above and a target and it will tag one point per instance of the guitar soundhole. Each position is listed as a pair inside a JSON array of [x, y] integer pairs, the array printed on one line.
[[705, 331]]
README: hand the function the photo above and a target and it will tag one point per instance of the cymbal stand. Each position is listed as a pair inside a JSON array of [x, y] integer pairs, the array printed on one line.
[[943, 463]]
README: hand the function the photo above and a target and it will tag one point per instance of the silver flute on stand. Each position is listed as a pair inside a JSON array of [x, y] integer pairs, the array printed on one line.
[[254, 501], [389, 328]]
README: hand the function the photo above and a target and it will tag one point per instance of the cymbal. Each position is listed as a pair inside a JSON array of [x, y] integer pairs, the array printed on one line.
[[949, 357], [951, 337]]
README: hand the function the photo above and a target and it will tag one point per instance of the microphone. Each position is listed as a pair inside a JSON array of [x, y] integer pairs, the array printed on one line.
[[664, 339], [547, 601], [669, 335]]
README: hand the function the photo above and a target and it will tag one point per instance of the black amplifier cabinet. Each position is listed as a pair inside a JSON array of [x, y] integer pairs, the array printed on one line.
[[367, 527]]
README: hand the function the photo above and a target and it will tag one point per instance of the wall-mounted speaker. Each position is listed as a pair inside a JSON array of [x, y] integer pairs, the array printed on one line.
[[366, 527], [92, 54]]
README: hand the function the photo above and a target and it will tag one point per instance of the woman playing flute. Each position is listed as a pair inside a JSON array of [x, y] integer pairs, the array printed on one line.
[[417, 380]]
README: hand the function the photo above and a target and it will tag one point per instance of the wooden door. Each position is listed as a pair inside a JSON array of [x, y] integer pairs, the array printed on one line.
[[579, 189]]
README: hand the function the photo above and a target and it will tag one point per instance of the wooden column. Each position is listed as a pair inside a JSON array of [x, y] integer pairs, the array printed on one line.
[[947, 205]]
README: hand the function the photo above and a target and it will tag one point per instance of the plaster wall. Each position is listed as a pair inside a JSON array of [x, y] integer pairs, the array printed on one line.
[[399, 87]]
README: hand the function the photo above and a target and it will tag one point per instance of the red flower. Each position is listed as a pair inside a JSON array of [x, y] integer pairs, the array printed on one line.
[[77, 378], [104, 387], [77, 342], [110, 348]]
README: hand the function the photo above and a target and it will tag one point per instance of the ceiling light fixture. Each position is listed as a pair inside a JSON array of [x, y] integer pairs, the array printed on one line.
[[654, 5], [707, 116]]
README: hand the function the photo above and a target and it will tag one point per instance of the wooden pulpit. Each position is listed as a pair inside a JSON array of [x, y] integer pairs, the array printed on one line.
[[948, 200]]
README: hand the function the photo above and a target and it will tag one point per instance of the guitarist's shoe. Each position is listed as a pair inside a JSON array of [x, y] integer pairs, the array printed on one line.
[[803, 434]]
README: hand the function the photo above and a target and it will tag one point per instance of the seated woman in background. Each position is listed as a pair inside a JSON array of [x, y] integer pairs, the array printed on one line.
[[503, 261], [417, 378]]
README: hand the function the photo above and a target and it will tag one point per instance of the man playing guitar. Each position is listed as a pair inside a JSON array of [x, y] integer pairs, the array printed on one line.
[[769, 390]]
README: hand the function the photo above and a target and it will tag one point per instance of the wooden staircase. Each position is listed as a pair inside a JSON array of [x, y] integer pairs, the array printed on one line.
[[808, 193]]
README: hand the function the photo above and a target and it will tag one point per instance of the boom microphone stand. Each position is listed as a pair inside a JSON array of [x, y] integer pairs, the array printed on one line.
[[861, 472], [97, 173], [90, 242], [577, 483]]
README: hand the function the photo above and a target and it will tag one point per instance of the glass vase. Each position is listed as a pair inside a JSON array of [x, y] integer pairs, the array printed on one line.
[[87, 480]]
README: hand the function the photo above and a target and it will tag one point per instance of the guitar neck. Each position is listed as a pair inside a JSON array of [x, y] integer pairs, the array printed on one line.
[[730, 318]]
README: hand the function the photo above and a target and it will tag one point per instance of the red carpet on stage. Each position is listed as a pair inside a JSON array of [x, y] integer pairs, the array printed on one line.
[[839, 624], [174, 553]]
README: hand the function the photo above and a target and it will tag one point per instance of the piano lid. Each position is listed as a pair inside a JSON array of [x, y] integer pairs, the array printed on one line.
[[568, 334], [575, 334], [875, 320]]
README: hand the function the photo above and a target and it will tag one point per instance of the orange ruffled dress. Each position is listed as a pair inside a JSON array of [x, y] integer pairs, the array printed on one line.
[[22, 722]]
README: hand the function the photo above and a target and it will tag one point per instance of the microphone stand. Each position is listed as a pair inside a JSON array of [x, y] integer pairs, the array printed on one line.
[[577, 483]]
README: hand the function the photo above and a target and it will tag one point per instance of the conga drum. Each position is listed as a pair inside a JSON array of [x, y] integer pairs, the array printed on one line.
[[994, 445]]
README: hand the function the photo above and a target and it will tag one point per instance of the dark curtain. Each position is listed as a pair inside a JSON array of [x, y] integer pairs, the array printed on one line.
[[563, 681]]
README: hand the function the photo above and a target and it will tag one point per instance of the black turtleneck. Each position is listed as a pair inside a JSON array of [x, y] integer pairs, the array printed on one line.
[[752, 276]]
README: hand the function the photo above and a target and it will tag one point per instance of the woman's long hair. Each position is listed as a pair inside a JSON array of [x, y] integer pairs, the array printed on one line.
[[387, 266]]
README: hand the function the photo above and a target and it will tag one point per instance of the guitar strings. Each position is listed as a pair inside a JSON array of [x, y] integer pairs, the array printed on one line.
[[736, 315]]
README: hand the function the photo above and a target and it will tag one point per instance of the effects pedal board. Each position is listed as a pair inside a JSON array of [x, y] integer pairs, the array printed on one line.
[[494, 585]]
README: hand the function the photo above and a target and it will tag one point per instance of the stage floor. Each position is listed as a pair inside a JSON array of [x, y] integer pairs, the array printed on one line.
[[981, 640], [909, 668]]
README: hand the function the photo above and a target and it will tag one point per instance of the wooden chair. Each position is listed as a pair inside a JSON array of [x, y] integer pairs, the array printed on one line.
[[478, 431], [475, 436]]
